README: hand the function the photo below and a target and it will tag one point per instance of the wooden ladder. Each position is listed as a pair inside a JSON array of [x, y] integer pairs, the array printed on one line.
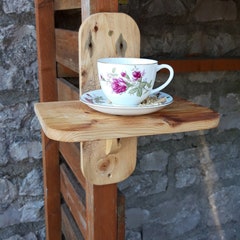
[[86, 211]]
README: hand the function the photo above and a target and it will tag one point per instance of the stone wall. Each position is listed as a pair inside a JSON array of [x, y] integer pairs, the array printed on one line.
[[21, 188], [186, 186]]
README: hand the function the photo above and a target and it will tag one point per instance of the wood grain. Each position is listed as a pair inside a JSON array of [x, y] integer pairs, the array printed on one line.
[[75, 122], [66, 4], [94, 6], [67, 48], [101, 203], [101, 168], [66, 90], [73, 200], [44, 11], [105, 35], [203, 65]]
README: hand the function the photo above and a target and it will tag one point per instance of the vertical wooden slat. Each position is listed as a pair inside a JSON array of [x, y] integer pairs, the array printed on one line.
[[101, 204], [48, 92], [93, 6], [101, 201]]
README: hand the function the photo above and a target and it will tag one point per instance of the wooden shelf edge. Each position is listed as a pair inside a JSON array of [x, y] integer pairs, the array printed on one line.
[[73, 121]]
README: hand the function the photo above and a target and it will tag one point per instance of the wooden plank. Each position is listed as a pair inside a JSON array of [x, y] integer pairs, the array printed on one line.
[[46, 50], [121, 38], [71, 153], [203, 65], [66, 90], [102, 165], [73, 121], [67, 48], [73, 199], [69, 227], [121, 215], [65, 72], [101, 204], [94, 6], [51, 188], [66, 4], [44, 13]]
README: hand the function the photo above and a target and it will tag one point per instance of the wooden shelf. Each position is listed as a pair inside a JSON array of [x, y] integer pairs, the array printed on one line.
[[73, 121]]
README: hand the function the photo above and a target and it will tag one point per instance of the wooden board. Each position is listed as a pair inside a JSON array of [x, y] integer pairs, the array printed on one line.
[[48, 92], [73, 199], [66, 4], [69, 227], [73, 121], [203, 65], [67, 48], [94, 6], [103, 165], [105, 35]]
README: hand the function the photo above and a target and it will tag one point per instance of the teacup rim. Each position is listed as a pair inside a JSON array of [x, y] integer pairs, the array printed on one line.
[[133, 61]]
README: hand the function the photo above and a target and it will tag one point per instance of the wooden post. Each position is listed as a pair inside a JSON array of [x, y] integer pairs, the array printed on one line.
[[101, 201], [48, 92]]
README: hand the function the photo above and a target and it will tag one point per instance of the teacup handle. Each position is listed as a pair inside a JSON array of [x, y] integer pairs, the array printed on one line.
[[171, 74]]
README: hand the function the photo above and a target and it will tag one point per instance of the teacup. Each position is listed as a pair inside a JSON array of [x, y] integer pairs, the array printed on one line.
[[129, 81]]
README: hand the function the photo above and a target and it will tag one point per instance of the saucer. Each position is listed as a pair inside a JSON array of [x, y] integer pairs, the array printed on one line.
[[98, 101]]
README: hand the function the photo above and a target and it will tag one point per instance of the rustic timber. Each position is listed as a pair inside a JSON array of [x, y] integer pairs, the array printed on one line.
[[93, 6], [44, 11], [66, 48], [203, 65], [73, 121], [73, 199], [69, 227], [102, 219], [66, 4], [66, 90], [71, 154], [121, 38], [101, 168]]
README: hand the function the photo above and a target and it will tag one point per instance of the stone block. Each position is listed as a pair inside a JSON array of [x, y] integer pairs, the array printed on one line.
[[215, 10], [154, 161]]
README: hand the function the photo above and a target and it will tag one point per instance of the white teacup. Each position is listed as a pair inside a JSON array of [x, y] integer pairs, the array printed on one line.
[[129, 81]]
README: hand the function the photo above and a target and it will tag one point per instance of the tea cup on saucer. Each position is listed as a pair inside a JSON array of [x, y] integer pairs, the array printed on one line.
[[129, 81]]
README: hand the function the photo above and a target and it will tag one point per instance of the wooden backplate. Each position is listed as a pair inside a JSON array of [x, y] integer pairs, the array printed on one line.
[[106, 35]]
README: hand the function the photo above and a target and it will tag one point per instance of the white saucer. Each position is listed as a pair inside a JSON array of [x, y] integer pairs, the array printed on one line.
[[98, 101]]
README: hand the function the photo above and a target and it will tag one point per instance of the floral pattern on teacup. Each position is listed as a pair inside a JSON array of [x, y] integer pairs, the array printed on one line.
[[133, 83]]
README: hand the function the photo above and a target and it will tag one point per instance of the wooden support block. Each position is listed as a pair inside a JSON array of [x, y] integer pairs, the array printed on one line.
[[102, 164]]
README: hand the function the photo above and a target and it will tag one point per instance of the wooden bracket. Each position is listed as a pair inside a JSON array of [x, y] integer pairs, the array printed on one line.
[[108, 161]]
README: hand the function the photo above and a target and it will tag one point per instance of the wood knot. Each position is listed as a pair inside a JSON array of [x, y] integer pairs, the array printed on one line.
[[106, 165], [95, 28]]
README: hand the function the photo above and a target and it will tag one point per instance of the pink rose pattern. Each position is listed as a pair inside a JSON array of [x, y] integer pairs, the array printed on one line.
[[134, 83], [119, 85]]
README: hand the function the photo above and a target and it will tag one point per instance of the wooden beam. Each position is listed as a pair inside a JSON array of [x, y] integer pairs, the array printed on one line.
[[69, 227], [93, 6], [203, 65], [67, 4], [101, 205], [67, 48], [44, 11], [66, 90], [46, 50], [73, 199], [71, 153]]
